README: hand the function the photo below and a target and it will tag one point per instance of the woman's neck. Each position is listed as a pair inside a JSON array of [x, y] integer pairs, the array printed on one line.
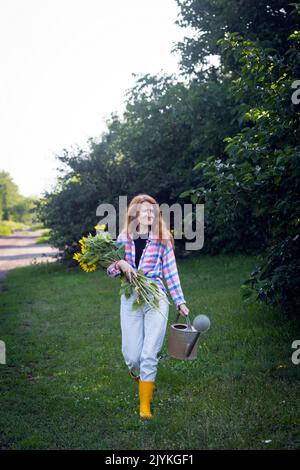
[[143, 229]]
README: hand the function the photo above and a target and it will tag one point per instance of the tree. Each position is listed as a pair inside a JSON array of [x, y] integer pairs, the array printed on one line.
[[255, 192], [267, 22], [9, 195]]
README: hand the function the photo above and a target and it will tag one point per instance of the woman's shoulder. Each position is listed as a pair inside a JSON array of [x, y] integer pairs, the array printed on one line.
[[166, 245]]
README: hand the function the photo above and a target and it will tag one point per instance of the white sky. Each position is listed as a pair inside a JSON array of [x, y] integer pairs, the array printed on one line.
[[65, 65]]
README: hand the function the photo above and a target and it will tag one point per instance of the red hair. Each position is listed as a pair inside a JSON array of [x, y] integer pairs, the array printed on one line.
[[160, 230]]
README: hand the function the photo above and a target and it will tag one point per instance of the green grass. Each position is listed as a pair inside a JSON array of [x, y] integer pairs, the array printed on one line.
[[7, 227], [66, 386], [45, 236], [37, 226]]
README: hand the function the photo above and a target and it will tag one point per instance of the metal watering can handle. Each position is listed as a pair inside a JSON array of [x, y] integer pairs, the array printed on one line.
[[186, 317]]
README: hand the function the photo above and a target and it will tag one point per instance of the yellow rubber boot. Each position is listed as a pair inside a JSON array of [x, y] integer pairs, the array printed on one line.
[[146, 394]]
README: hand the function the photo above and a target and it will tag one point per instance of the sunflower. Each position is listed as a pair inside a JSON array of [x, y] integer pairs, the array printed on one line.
[[87, 268], [82, 245]]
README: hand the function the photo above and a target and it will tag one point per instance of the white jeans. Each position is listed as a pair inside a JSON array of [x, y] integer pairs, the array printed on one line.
[[143, 333]]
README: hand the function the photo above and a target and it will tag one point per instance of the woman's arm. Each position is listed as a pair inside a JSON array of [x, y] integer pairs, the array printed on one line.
[[113, 269], [170, 273]]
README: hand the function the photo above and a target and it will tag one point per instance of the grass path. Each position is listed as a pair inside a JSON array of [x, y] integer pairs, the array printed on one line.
[[65, 384]]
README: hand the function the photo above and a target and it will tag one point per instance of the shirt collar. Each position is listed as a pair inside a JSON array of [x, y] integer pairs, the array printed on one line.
[[151, 236]]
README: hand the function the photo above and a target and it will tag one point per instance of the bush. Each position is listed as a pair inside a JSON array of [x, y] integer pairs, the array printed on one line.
[[277, 280]]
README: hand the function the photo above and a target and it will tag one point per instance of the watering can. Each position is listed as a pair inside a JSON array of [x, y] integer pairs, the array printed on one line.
[[183, 338]]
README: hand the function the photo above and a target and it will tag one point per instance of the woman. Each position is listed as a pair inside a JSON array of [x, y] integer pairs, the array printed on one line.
[[149, 246]]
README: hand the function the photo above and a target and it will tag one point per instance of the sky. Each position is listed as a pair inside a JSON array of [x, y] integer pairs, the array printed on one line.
[[65, 66]]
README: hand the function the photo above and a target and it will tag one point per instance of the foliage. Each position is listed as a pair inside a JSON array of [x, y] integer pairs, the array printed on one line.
[[14, 206], [277, 280], [70, 210], [254, 192], [165, 128], [264, 21]]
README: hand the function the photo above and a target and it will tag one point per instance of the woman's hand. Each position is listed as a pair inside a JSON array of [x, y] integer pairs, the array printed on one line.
[[127, 269], [183, 310]]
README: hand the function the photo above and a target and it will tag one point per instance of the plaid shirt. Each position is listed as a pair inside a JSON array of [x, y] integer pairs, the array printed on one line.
[[157, 261]]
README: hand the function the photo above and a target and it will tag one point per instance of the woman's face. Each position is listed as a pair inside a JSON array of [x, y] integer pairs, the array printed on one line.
[[146, 215]]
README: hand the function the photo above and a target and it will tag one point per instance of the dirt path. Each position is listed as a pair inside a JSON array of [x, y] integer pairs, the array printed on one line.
[[19, 249]]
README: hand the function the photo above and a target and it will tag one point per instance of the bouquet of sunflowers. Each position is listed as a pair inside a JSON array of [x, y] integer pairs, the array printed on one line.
[[100, 251]]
